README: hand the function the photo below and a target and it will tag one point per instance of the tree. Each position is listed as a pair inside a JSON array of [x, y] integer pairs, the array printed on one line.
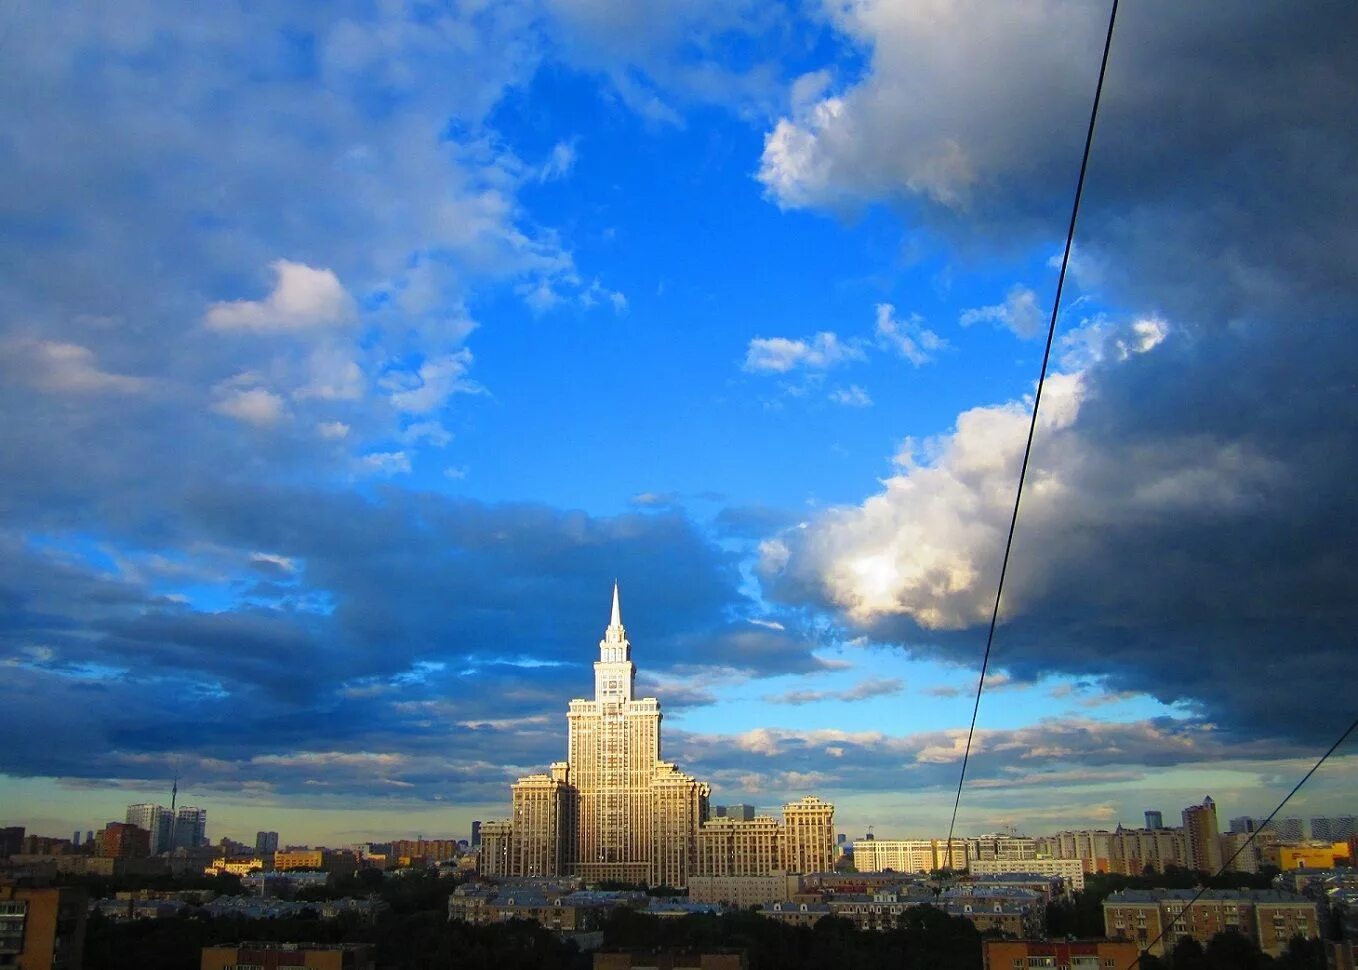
[[1301, 954], [1233, 951], [1188, 955]]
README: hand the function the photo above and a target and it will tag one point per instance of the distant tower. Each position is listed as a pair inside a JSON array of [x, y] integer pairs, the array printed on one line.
[[1155, 820]]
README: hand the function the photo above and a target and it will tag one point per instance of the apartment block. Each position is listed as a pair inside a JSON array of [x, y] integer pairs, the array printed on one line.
[[909, 855], [1270, 918], [1058, 954], [42, 929]]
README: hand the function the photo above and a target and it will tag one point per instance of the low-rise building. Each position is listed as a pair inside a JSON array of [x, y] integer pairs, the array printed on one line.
[[909, 855], [795, 914], [1156, 919], [670, 960], [743, 891], [272, 956], [568, 911], [285, 859], [880, 910], [1010, 910], [1058, 954], [1312, 855], [1071, 871]]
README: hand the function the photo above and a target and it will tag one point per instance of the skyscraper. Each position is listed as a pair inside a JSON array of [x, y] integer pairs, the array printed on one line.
[[190, 828], [1200, 832], [266, 843], [613, 810], [1154, 820], [156, 819]]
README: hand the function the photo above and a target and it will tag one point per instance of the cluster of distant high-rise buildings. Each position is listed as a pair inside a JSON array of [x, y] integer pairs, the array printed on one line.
[[1198, 844], [169, 829]]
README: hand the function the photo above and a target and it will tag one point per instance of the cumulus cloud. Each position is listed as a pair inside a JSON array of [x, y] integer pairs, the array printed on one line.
[[252, 405], [779, 355], [61, 367], [302, 298], [907, 338], [428, 387], [852, 396], [1178, 503], [386, 463], [1019, 313]]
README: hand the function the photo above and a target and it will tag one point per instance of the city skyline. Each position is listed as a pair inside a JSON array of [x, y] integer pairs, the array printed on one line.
[[348, 354]]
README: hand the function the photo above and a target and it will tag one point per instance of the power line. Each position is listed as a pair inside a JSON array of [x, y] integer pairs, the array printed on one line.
[[1037, 401], [1253, 835]]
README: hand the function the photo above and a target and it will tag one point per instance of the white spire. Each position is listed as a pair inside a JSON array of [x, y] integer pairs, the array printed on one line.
[[616, 619]]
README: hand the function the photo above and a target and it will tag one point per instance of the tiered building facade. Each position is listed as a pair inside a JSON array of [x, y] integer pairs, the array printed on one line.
[[614, 810]]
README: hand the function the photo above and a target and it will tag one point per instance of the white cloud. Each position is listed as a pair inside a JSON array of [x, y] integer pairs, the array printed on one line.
[[923, 121], [303, 298], [1019, 312], [333, 430], [852, 396], [253, 405], [386, 463], [559, 163], [63, 367], [430, 431], [778, 355], [597, 293], [909, 338], [332, 374], [429, 388], [284, 563], [928, 546]]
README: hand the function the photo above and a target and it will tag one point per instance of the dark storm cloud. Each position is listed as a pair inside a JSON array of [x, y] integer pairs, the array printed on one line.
[[1065, 752], [1191, 532], [449, 629]]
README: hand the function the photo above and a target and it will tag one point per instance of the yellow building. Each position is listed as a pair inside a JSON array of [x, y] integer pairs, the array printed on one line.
[[285, 859], [1313, 855], [42, 929]]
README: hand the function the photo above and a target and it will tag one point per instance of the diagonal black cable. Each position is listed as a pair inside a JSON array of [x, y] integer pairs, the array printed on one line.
[[1032, 425], [1253, 835]]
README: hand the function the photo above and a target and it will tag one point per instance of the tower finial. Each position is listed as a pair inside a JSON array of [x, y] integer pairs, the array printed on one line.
[[616, 619]]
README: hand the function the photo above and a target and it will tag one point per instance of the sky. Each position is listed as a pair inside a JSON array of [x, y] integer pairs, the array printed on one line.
[[349, 352]]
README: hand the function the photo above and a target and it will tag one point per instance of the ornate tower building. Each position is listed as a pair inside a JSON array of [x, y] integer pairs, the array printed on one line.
[[612, 810]]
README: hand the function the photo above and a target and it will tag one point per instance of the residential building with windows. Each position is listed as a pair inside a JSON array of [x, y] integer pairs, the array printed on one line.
[[909, 855], [42, 929], [1203, 837], [1058, 954], [1156, 919], [157, 820]]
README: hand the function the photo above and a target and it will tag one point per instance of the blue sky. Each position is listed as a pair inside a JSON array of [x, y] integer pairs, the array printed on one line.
[[349, 353]]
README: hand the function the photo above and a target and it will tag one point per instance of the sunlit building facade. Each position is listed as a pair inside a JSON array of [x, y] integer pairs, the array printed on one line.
[[614, 810]]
